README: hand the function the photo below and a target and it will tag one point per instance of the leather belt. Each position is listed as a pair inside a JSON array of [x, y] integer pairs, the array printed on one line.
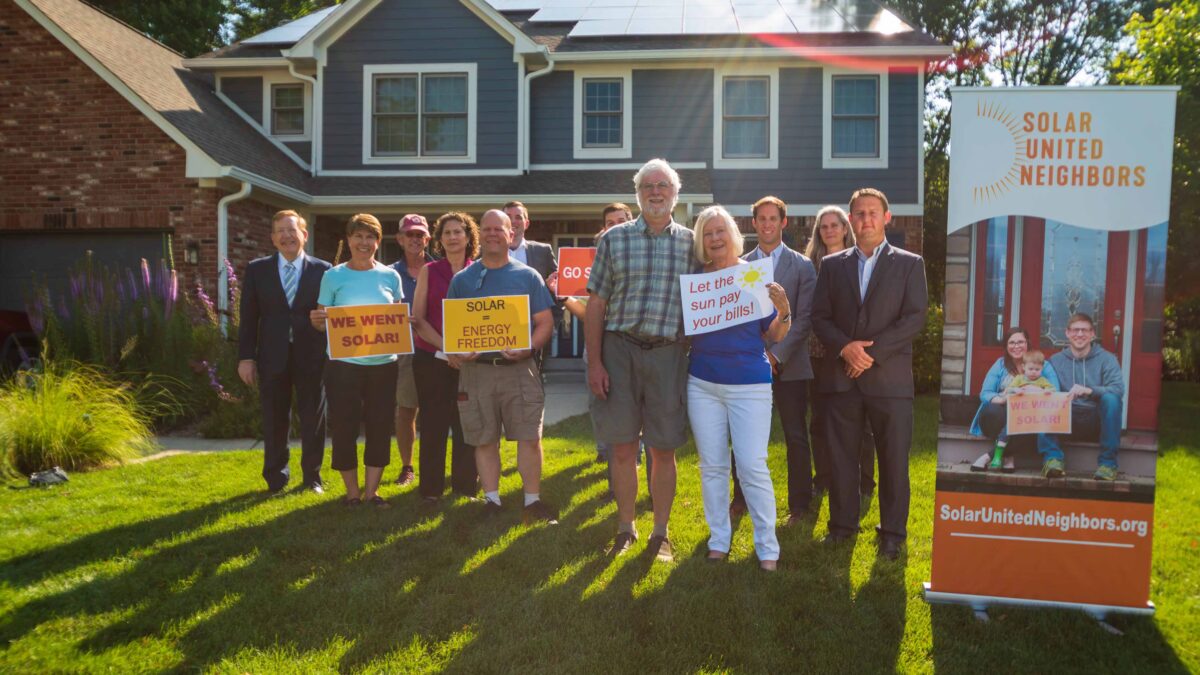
[[644, 343]]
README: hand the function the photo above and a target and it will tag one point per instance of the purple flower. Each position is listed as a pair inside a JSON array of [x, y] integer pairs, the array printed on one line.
[[63, 313], [204, 299], [37, 318], [233, 280], [133, 287], [121, 293], [146, 275], [76, 286], [172, 294]]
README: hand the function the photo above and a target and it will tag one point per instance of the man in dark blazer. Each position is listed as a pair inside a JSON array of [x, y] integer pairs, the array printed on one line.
[[537, 255], [790, 366], [280, 350], [868, 307]]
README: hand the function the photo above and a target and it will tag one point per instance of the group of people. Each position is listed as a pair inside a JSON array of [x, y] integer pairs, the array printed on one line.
[[1089, 374], [839, 334]]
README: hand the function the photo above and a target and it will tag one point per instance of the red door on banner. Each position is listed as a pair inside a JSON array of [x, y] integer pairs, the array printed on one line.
[[1064, 269]]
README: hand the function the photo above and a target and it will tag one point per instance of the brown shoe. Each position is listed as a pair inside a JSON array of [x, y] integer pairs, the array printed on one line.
[[406, 477], [660, 547], [622, 543], [537, 512]]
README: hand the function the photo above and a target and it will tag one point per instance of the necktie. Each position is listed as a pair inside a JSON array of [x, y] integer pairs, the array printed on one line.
[[290, 282]]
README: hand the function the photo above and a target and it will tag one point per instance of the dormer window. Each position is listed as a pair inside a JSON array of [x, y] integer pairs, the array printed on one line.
[[287, 109]]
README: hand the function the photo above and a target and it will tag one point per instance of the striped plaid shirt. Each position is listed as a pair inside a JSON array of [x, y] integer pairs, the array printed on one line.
[[637, 273]]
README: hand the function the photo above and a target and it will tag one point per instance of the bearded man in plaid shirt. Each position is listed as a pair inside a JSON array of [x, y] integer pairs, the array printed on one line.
[[637, 358]]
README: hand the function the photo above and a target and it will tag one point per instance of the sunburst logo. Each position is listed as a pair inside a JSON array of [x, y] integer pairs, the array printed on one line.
[[751, 278], [1006, 177]]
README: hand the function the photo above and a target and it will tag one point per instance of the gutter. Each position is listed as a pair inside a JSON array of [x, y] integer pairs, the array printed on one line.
[[526, 132], [314, 157], [223, 251]]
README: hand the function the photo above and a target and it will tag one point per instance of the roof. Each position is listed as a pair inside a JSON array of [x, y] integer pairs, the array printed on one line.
[[183, 98]]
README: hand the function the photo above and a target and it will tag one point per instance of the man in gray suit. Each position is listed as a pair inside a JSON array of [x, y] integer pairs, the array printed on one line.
[[869, 305], [790, 367], [537, 255]]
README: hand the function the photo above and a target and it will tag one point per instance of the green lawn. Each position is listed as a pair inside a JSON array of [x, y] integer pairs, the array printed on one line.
[[181, 564]]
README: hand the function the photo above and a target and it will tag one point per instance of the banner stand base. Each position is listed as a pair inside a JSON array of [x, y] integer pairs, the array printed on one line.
[[981, 603]]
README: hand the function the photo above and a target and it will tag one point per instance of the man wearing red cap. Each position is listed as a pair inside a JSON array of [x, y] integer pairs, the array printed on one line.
[[413, 238]]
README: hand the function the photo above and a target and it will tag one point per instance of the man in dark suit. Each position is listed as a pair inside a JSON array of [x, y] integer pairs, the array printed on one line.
[[868, 307], [790, 367], [280, 350], [537, 255]]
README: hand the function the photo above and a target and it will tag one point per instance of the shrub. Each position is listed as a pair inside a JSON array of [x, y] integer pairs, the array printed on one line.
[[927, 353], [1181, 340], [74, 416]]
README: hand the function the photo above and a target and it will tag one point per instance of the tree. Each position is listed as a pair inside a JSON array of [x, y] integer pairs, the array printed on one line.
[[1164, 51], [251, 17], [190, 27]]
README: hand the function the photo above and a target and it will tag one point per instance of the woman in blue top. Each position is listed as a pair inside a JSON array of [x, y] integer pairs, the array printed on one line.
[[360, 390], [729, 396], [992, 415]]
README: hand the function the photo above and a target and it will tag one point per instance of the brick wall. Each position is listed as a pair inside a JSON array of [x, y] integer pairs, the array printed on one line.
[[74, 154]]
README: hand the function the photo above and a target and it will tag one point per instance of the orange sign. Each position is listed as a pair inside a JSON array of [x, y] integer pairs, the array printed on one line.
[[368, 330], [1042, 548], [574, 269], [1041, 413]]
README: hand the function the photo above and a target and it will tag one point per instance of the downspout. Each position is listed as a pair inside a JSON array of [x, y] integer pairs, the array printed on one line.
[[223, 251], [527, 133], [314, 154]]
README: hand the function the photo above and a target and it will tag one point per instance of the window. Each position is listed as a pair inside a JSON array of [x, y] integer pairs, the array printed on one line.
[[1154, 289], [854, 123], [855, 116], [287, 109], [420, 115], [746, 118], [994, 277], [602, 113]]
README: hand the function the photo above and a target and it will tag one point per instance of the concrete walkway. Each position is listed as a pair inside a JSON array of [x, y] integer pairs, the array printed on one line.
[[566, 396]]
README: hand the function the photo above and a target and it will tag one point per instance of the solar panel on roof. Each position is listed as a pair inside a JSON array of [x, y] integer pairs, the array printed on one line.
[[291, 32], [599, 28]]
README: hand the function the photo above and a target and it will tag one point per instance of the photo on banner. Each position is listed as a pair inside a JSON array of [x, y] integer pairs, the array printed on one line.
[[1052, 346]]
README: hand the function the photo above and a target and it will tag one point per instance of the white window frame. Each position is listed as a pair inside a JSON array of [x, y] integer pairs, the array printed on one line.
[[273, 108], [625, 75], [268, 82], [771, 161], [368, 101], [828, 161]]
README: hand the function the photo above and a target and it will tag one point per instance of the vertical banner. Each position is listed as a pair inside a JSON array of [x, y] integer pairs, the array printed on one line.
[[1052, 352]]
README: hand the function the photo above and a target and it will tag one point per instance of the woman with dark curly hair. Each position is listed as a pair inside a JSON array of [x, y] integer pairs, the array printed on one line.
[[456, 239]]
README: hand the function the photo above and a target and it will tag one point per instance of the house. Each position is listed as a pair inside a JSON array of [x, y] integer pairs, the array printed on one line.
[[116, 144]]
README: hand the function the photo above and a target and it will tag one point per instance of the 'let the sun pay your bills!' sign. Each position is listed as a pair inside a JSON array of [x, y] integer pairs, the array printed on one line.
[[727, 297]]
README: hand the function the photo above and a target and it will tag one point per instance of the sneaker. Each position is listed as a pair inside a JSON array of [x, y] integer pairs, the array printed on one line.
[[981, 464], [623, 542], [660, 547], [1053, 468], [1107, 473], [997, 461], [1009, 465], [406, 477], [539, 512]]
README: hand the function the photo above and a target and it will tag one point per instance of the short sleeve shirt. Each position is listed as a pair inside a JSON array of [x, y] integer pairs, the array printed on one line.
[[342, 286], [515, 278], [733, 355], [637, 273], [408, 279]]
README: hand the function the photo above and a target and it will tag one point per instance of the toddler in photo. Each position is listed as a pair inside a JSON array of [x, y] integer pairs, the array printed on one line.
[[1030, 381]]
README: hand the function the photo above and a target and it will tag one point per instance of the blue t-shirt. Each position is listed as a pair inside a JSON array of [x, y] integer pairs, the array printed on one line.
[[734, 355], [515, 278], [342, 286], [408, 279]]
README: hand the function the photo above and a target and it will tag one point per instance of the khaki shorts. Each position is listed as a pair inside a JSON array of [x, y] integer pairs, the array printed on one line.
[[494, 397], [647, 395], [406, 386]]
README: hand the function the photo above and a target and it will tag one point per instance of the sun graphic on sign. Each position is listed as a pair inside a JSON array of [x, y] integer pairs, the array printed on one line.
[[751, 278], [1005, 168]]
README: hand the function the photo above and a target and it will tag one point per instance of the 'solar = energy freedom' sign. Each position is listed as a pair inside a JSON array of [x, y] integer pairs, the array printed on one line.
[[368, 330], [488, 324], [727, 297], [1044, 413]]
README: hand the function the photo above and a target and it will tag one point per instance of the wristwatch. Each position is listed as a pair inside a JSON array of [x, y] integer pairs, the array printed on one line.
[[787, 319]]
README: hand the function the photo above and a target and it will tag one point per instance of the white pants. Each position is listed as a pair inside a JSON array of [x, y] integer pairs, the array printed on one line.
[[743, 411]]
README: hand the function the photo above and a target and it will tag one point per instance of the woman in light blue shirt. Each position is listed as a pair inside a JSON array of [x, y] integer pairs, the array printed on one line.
[[360, 390], [992, 415]]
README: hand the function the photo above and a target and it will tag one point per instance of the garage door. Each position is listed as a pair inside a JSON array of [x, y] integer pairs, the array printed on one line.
[[25, 257]]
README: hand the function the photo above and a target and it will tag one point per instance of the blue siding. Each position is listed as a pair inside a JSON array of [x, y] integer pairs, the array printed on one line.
[[247, 93], [800, 178], [550, 118], [303, 149], [412, 32], [672, 115]]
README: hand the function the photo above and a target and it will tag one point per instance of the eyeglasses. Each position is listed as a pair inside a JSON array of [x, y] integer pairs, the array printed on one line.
[[661, 185], [1080, 331], [482, 276]]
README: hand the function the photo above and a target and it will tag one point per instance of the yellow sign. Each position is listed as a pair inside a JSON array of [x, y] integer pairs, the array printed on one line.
[[1041, 413], [368, 330], [485, 324]]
